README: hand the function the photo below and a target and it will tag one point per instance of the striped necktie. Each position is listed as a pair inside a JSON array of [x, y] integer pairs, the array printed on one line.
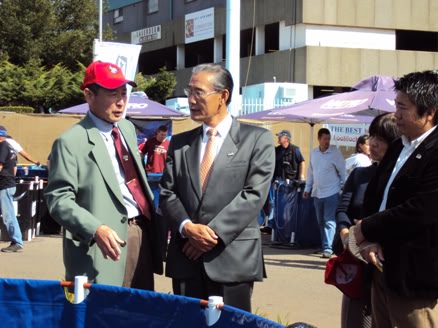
[[208, 159]]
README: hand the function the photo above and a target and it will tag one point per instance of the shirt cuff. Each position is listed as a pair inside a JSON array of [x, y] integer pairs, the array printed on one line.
[[181, 226]]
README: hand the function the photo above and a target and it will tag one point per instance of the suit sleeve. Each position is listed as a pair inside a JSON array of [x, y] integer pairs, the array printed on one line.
[[342, 218], [61, 191], [170, 204], [244, 208]]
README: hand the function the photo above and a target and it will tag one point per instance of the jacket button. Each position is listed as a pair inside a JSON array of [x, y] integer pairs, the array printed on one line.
[[124, 219]]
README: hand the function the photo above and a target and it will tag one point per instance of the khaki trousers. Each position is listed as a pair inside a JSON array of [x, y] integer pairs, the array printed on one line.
[[392, 310]]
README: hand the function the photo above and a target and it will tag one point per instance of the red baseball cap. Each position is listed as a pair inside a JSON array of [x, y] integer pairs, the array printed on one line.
[[107, 75]]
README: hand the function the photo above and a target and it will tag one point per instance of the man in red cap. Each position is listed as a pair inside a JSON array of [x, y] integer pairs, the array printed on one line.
[[98, 191]]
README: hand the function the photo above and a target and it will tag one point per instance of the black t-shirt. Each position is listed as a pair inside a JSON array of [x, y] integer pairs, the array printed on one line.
[[8, 158]]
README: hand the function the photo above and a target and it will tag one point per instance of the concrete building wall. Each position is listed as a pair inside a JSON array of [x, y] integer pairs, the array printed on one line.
[[388, 14]]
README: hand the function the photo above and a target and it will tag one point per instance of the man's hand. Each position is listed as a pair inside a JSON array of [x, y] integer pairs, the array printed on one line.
[[372, 253], [305, 195], [358, 235], [191, 252], [108, 242], [201, 236]]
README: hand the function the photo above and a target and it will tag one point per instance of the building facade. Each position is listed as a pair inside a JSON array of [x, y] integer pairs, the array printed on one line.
[[328, 45]]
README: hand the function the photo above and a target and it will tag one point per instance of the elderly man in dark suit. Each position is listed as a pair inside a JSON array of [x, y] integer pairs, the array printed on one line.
[[400, 228], [216, 180]]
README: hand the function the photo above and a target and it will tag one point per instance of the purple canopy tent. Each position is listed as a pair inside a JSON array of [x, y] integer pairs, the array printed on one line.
[[368, 98], [138, 106]]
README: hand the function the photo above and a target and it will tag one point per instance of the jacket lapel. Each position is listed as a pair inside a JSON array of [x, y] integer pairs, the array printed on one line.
[[102, 158], [191, 156], [419, 154]]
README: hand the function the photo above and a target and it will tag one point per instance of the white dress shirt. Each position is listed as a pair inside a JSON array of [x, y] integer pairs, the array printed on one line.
[[105, 129], [408, 149], [326, 172], [222, 131]]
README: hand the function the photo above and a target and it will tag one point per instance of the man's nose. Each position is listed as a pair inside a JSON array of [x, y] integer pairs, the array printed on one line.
[[121, 100]]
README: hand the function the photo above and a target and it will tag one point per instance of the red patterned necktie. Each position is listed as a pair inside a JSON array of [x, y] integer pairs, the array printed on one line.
[[131, 175], [208, 159]]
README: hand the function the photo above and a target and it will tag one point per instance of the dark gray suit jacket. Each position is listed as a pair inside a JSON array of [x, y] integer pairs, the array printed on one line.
[[237, 189]]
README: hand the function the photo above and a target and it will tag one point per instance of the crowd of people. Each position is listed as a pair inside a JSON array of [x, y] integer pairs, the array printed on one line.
[[216, 179]]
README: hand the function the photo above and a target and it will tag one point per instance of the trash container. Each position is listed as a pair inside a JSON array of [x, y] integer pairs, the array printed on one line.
[[285, 212], [46, 225]]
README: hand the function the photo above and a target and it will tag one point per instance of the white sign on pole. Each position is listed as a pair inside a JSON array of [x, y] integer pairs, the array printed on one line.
[[346, 134], [123, 55], [199, 25]]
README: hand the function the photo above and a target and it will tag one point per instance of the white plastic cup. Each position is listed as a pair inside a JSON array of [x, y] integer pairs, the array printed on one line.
[[212, 313]]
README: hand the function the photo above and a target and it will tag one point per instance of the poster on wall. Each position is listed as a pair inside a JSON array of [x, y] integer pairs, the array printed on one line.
[[199, 25], [346, 134]]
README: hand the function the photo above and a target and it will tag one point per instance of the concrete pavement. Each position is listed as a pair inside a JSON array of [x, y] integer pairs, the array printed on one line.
[[294, 291]]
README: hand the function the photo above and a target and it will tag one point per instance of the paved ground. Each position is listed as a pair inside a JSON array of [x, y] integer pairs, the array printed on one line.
[[294, 290]]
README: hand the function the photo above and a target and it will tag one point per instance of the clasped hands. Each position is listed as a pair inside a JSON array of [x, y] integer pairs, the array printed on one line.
[[371, 252], [201, 239]]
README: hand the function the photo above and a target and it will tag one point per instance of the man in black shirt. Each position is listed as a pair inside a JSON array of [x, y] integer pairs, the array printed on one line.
[[8, 161], [289, 162]]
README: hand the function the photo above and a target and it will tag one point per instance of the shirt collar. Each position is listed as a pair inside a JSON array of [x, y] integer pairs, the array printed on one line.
[[222, 128], [416, 142], [328, 150], [101, 125]]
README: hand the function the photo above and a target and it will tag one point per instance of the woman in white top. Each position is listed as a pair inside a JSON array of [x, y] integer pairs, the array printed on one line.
[[362, 156]]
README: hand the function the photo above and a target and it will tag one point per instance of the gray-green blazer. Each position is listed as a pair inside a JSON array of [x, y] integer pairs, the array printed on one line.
[[83, 193]]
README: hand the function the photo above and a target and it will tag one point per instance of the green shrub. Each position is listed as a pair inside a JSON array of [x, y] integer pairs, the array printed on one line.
[[17, 109]]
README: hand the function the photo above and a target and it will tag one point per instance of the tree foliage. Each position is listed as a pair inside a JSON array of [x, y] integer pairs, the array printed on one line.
[[50, 32], [161, 86], [44, 48], [37, 87]]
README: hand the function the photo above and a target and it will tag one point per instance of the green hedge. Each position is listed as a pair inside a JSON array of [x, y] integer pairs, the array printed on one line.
[[17, 109]]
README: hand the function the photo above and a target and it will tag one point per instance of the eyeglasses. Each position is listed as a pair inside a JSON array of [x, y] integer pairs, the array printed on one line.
[[198, 93]]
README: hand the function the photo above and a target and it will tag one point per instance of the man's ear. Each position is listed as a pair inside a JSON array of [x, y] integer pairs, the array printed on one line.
[[432, 112], [224, 96], [88, 94]]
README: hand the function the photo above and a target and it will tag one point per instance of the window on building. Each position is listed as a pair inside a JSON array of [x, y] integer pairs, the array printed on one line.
[[416, 40], [150, 62], [247, 43], [118, 16], [272, 37], [199, 52], [152, 6], [324, 91]]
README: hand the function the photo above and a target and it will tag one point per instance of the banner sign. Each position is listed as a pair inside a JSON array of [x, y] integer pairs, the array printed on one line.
[[346, 134], [199, 25]]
